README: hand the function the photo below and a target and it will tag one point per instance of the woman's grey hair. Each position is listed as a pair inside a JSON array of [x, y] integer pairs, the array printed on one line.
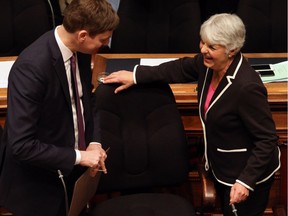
[[225, 29]]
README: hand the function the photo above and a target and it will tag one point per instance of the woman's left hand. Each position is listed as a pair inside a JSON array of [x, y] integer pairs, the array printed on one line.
[[124, 77]]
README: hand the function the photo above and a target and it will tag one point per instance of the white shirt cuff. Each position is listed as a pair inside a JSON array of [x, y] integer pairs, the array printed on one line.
[[134, 74], [97, 143], [245, 185], [78, 157]]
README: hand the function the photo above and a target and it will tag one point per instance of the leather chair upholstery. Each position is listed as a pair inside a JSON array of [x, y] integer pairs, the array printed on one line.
[[21, 22], [266, 25], [157, 26], [148, 150]]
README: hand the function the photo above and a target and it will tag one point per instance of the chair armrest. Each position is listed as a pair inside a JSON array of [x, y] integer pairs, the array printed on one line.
[[208, 188]]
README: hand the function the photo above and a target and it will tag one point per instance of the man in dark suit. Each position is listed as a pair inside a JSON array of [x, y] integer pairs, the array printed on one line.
[[41, 131]]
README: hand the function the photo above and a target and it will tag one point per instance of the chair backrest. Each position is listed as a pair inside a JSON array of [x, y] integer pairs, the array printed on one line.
[[23, 21], [266, 25], [143, 128], [159, 26]]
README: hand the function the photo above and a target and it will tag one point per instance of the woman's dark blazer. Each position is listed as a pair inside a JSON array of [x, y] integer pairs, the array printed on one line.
[[239, 132], [39, 135]]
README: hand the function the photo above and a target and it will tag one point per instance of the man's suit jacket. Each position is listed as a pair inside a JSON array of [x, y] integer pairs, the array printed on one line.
[[239, 132], [39, 135]]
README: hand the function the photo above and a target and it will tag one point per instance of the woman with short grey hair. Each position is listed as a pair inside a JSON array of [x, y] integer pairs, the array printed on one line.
[[224, 29]]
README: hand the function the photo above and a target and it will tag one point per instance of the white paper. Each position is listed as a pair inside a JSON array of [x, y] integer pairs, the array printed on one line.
[[154, 61], [281, 73], [5, 67], [84, 190]]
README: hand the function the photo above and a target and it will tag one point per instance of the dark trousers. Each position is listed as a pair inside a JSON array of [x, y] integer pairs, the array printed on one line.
[[255, 204]]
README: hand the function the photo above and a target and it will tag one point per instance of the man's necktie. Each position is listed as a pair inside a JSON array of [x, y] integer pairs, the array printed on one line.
[[81, 134]]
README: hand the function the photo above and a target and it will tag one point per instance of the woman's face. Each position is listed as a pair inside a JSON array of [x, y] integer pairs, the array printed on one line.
[[215, 55]]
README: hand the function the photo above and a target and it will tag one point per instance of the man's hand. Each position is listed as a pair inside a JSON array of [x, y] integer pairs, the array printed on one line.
[[94, 157], [124, 77], [238, 193]]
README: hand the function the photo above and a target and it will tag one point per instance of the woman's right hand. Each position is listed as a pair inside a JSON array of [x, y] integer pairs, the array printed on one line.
[[124, 77]]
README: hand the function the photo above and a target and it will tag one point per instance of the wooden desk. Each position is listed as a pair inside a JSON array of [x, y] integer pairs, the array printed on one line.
[[186, 98]]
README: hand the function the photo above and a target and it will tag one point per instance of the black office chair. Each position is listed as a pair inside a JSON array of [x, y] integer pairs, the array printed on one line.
[[266, 25], [148, 150], [159, 26], [23, 21]]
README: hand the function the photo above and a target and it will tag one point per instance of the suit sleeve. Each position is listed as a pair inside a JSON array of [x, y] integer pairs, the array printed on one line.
[[178, 71], [256, 115], [26, 111]]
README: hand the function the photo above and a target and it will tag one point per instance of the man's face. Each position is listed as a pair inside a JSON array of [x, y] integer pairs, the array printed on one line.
[[91, 45]]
